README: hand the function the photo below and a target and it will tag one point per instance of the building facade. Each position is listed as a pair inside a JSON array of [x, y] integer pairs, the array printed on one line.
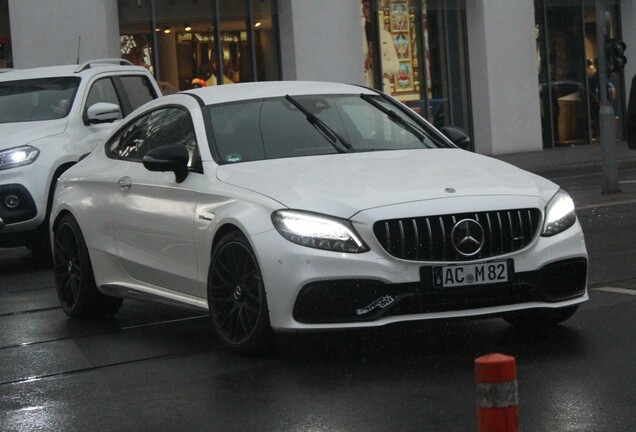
[[519, 76]]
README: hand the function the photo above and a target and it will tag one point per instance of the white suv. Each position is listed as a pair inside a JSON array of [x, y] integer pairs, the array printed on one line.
[[49, 118]]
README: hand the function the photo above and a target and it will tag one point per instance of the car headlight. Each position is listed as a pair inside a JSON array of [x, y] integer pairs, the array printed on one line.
[[559, 214], [18, 156], [318, 231]]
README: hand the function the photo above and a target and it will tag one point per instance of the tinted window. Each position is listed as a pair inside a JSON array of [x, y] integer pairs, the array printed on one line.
[[138, 89], [102, 90], [277, 127], [159, 128], [37, 99]]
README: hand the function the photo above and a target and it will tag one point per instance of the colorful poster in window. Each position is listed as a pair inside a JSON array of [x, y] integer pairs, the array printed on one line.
[[404, 79], [401, 42], [399, 16], [401, 77]]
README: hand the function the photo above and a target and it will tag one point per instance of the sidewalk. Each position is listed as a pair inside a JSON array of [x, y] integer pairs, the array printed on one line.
[[580, 161]]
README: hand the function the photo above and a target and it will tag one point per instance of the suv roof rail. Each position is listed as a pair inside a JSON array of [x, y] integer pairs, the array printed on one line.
[[113, 61]]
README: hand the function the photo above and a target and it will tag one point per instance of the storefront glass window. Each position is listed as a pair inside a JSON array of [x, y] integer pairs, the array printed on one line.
[[564, 96], [192, 44], [416, 51], [567, 64], [615, 82], [265, 41], [235, 34], [6, 60]]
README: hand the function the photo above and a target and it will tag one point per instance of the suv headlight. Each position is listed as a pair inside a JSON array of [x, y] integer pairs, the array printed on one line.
[[318, 231], [559, 214], [18, 156]]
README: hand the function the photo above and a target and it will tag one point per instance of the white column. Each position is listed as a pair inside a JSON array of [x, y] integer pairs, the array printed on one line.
[[322, 40], [503, 76], [47, 32]]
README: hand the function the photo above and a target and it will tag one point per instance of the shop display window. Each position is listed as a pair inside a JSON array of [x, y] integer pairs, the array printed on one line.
[[567, 65], [201, 43], [416, 51], [6, 60]]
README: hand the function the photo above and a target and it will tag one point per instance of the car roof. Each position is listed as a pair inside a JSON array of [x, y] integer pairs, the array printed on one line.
[[268, 89], [89, 68]]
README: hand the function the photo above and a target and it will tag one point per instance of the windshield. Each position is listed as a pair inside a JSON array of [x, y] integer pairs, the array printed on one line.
[[37, 99], [296, 126]]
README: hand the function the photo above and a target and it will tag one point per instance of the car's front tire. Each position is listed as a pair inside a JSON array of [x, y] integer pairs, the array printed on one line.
[[540, 318], [74, 278], [236, 295]]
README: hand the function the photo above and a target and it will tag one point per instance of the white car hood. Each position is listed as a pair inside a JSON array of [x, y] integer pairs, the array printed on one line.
[[344, 184], [16, 134]]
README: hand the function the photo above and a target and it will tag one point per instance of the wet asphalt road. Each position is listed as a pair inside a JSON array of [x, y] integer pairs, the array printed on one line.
[[156, 368]]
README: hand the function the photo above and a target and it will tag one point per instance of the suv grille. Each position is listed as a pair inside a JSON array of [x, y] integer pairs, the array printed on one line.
[[429, 238]]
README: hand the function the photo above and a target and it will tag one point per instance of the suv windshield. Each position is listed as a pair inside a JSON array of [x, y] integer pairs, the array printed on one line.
[[313, 125], [37, 99]]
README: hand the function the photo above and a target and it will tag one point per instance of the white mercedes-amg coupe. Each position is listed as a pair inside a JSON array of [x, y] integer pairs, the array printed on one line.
[[286, 206]]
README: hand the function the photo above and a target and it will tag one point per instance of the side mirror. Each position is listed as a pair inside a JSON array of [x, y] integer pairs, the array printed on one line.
[[103, 112], [457, 136], [173, 158]]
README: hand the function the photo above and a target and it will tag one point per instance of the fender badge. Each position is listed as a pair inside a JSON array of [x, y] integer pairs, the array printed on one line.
[[450, 190]]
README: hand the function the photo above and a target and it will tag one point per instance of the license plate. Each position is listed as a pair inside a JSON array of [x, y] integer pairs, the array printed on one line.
[[470, 274]]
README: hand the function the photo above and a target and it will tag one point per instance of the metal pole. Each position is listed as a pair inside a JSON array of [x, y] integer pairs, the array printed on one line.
[[155, 40], [218, 55], [606, 112]]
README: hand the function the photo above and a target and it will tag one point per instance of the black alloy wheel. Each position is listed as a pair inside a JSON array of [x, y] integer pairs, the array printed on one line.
[[236, 295], [74, 278]]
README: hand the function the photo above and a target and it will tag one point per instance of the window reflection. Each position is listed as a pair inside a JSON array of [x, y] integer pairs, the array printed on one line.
[[567, 64], [159, 128], [197, 44], [6, 60], [416, 51]]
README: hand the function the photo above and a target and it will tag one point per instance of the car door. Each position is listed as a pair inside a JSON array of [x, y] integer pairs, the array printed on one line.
[[85, 136], [128, 92], [151, 215]]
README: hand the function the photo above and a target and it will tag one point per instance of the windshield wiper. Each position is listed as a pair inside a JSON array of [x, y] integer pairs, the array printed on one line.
[[394, 117], [330, 135]]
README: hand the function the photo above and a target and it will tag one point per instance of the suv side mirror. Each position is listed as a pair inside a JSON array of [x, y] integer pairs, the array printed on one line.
[[172, 157], [103, 112], [457, 136]]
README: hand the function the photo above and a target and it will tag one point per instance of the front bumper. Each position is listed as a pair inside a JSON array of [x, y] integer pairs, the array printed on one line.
[[360, 300], [23, 206], [311, 289], [29, 185], [18, 220]]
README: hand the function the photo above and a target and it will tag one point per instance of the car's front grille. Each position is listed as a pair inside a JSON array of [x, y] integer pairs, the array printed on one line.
[[430, 238]]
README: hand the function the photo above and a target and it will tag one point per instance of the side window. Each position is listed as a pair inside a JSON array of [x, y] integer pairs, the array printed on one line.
[[159, 128], [138, 89], [102, 90], [127, 143]]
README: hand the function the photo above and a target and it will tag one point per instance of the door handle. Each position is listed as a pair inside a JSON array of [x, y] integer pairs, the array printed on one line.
[[124, 183]]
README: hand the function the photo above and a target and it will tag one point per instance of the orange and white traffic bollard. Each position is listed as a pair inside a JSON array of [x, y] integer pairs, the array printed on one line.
[[496, 376]]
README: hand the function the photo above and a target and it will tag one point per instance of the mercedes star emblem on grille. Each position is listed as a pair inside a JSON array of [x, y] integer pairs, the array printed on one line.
[[467, 237]]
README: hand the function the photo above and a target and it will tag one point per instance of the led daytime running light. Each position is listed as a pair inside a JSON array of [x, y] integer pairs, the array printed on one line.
[[559, 214], [317, 231]]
